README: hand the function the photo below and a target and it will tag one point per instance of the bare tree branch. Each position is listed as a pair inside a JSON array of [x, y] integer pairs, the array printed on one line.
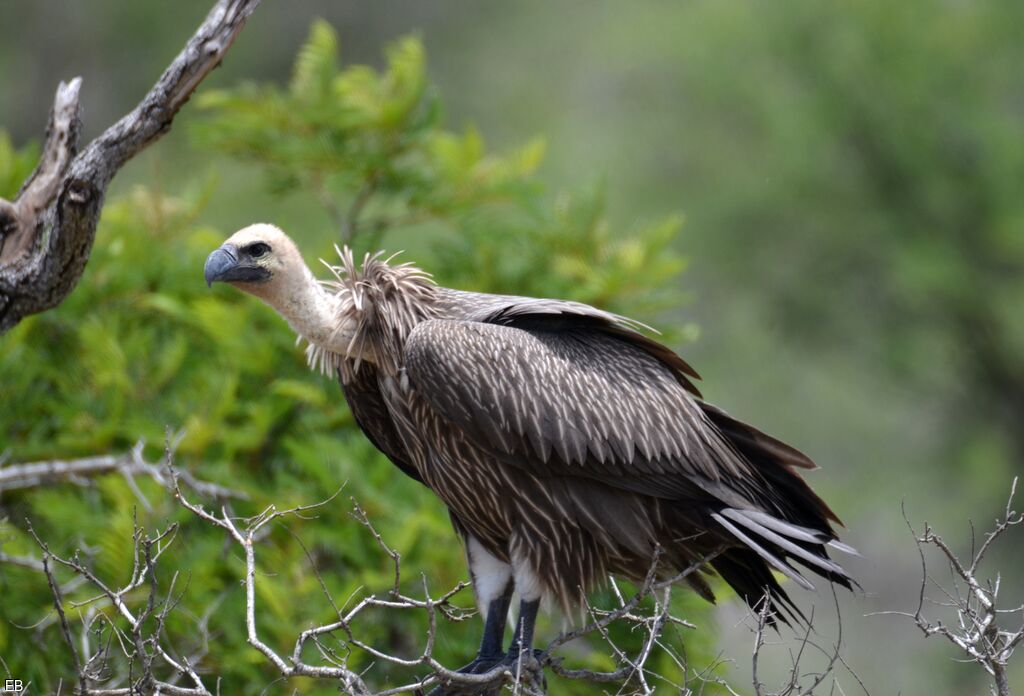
[[978, 626], [128, 464], [46, 233], [65, 629], [801, 680], [124, 651], [138, 645], [22, 562], [527, 676]]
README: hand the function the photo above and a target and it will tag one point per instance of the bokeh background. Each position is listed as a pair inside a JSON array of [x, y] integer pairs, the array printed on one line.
[[850, 178]]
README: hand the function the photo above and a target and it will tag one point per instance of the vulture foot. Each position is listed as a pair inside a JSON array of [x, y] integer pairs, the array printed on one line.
[[527, 670], [479, 665], [530, 674]]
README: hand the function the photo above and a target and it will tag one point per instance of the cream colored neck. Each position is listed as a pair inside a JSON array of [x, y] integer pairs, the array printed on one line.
[[312, 312]]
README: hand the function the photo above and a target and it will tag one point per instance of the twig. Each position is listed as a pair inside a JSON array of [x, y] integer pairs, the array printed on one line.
[[58, 602], [22, 561], [801, 682], [360, 516], [979, 622]]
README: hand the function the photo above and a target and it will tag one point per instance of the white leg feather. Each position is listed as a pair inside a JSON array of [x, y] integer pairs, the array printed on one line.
[[490, 574], [528, 585]]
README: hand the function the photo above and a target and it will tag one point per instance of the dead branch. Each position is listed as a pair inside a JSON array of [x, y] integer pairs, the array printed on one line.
[[46, 233], [978, 625], [140, 645], [246, 534], [126, 651], [801, 680], [652, 625], [22, 562], [129, 464]]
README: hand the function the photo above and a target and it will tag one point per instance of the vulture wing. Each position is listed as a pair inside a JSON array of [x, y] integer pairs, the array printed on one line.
[[372, 416], [578, 395], [568, 393]]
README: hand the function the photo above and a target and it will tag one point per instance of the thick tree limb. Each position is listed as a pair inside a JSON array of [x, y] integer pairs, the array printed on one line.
[[46, 233]]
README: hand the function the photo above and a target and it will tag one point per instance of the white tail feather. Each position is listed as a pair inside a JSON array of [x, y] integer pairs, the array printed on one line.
[[793, 531], [845, 548], [740, 517], [775, 562]]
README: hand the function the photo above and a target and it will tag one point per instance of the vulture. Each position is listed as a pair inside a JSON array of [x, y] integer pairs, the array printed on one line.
[[566, 444]]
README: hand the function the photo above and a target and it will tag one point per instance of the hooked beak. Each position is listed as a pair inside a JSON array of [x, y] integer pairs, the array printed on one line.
[[219, 263], [224, 265]]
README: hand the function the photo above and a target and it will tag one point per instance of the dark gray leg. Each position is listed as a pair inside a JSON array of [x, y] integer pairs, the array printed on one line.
[[521, 650], [494, 627], [491, 653], [522, 640]]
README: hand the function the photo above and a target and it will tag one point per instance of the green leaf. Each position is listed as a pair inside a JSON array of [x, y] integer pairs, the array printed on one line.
[[316, 63]]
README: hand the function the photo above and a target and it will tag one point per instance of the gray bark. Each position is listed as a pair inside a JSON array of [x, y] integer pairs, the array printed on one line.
[[47, 232], [131, 463]]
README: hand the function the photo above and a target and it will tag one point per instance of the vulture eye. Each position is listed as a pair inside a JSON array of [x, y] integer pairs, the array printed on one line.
[[258, 249]]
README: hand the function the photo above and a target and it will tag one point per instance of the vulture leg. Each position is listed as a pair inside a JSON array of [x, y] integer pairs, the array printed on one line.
[[493, 586], [494, 630], [491, 654], [522, 641], [522, 647], [492, 583]]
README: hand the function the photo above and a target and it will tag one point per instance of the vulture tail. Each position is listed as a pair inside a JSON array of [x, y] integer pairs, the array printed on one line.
[[776, 462], [786, 521], [776, 542], [752, 580]]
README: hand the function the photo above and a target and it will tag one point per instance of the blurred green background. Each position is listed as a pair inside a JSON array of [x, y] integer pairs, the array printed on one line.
[[851, 181]]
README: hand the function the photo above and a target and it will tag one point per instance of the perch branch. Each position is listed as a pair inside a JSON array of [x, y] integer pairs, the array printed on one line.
[[246, 534], [125, 651], [47, 232]]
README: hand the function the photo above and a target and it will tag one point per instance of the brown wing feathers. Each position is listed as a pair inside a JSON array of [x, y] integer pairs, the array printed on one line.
[[582, 396]]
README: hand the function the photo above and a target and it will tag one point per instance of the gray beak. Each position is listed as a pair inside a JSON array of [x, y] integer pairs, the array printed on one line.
[[220, 264]]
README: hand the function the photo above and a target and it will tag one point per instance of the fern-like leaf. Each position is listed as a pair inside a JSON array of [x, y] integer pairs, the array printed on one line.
[[316, 63]]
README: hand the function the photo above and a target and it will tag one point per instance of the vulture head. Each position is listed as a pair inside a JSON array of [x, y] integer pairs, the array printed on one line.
[[263, 261], [259, 259]]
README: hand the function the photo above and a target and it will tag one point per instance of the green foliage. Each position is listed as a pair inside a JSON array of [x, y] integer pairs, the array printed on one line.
[[15, 165], [875, 166], [143, 345], [372, 149]]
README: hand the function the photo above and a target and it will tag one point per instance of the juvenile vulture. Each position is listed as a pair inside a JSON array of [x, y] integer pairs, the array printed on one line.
[[566, 444]]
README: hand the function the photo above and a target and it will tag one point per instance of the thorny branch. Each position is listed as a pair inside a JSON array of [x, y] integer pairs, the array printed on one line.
[[979, 625], [46, 233]]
